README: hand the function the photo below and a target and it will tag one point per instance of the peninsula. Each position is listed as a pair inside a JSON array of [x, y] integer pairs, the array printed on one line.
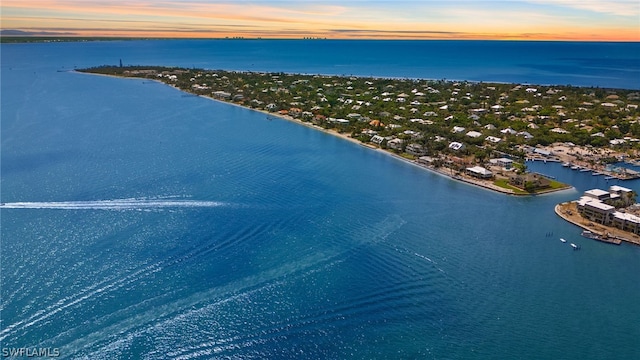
[[479, 133], [609, 216]]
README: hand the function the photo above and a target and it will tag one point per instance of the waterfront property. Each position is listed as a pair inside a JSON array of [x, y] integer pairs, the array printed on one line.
[[479, 172], [611, 208], [463, 158], [476, 120], [529, 181], [505, 163]]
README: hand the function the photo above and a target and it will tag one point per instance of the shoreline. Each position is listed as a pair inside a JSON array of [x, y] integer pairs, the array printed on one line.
[[477, 183], [462, 179], [569, 212]]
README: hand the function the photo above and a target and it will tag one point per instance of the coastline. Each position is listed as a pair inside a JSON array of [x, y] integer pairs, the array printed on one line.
[[486, 185], [463, 179], [569, 212]]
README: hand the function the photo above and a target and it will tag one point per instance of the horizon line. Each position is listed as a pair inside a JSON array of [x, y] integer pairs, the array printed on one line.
[[75, 36]]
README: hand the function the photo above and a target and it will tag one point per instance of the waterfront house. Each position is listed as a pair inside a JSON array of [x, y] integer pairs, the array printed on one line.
[[597, 205], [295, 112], [619, 189], [626, 195], [479, 172], [529, 181], [595, 210], [597, 194], [426, 160], [377, 139], [395, 144], [319, 119], [626, 222], [271, 107], [542, 152], [415, 149], [222, 95], [504, 163]]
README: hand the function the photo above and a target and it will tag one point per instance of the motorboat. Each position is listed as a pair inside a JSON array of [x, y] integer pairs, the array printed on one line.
[[590, 235], [563, 240]]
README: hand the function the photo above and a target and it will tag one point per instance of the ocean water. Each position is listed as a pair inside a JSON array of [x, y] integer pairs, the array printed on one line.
[[147, 224]]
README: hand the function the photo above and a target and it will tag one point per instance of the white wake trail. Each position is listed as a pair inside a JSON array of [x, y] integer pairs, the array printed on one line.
[[116, 204]]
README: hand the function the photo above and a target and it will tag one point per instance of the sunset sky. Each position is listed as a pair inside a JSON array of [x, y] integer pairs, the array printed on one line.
[[606, 20]]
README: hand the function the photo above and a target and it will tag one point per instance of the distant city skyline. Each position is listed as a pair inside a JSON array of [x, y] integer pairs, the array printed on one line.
[[588, 20]]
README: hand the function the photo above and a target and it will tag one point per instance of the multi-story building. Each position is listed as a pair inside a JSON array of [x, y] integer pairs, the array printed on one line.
[[595, 206]]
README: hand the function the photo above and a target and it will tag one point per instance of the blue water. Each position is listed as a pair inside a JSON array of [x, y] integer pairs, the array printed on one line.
[[155, 225], [593, 64]]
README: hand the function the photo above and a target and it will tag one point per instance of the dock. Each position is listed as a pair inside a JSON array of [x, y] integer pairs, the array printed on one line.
[[569, 212]]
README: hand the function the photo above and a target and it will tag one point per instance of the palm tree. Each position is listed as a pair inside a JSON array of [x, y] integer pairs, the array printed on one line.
[[630, 198]]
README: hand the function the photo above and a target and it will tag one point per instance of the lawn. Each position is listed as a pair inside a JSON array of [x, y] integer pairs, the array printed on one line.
[[504, 183]]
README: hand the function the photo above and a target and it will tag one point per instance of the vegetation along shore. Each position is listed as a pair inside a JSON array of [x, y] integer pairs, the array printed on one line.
[[479, 133]]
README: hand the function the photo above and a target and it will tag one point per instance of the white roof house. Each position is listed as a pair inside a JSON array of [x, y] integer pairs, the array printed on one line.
[[456, 146], [474, 134], [627, 217], [395, 143], [542, 152], [493, 139], [458, 129], [597, 194], [525, 134], [480, 172], [504, 162], [619, 189]]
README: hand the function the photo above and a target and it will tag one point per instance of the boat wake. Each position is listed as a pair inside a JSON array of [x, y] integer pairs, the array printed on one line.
[[116, 204]]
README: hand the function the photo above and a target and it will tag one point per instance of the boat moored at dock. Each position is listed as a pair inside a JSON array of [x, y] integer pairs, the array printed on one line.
[[603, 238]]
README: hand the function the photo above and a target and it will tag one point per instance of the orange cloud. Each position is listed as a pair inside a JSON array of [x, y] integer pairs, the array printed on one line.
[[289, 19]]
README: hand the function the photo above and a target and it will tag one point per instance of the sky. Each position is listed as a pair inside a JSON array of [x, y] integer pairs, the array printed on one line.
[[589, 20]]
